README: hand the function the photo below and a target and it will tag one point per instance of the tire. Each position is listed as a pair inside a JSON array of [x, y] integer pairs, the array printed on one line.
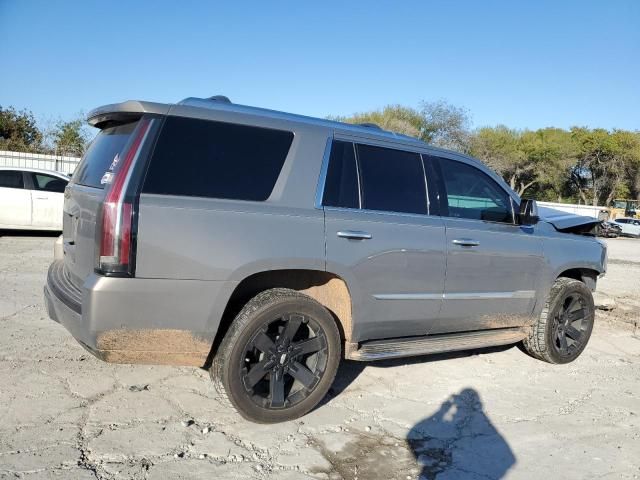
[[269, 374], [564, 327]]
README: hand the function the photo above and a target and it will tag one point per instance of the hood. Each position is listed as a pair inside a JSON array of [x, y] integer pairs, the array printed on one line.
[[567, 222]]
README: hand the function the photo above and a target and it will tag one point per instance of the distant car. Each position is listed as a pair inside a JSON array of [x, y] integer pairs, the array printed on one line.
[[609, 230], [31, 198], [630, 226]]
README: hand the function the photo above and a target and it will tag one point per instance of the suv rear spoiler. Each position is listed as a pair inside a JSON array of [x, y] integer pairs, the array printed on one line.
[[116, 113]]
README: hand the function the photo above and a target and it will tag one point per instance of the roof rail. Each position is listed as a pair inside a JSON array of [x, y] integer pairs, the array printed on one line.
[[370, 125], [220, 98]]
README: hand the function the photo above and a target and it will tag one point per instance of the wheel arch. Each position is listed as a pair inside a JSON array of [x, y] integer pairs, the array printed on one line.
[[586, 275], [327, 288]]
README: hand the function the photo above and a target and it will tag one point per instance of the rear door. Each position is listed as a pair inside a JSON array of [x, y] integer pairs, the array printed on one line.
[[494, 266], [382, 240], [84, 195], [47, 198], [15, 201]]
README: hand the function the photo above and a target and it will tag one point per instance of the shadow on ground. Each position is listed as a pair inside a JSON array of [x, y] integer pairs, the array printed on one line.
[[459, 441], [350, 370]]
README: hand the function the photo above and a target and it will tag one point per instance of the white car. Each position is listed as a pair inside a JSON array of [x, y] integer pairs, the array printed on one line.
[[629, 226], [31, 198]]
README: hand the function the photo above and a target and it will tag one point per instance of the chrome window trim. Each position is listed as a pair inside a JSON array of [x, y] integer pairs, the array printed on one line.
[[355, 157], [426, 184]]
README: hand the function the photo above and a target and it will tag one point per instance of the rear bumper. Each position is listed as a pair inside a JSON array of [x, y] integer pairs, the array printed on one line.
[[131, 320]]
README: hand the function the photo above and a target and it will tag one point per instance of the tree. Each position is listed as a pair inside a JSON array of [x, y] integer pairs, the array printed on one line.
[[395, 118], [551, 153], [606, 163], [70, 138], [446, 125], [438, 123], [18, 131], [501, 149]]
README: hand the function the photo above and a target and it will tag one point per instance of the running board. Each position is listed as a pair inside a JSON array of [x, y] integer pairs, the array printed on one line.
[[450, 342]]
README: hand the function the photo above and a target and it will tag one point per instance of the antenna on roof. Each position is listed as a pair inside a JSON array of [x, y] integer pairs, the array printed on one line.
[[370, 125], [220, 98]]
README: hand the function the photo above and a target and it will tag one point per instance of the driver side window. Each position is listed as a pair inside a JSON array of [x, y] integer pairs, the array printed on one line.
[[473, 194]]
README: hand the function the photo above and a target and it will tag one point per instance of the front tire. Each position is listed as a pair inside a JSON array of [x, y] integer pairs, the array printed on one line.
[[564, 327], [279, 357]]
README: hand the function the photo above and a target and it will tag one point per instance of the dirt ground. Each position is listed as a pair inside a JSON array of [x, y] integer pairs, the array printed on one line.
[[478, 415]]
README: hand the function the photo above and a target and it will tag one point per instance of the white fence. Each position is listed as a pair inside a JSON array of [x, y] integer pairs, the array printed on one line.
[[57, 163], [599, 212]]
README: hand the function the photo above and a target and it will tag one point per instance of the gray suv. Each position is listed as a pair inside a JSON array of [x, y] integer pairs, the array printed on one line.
[[267, 246]]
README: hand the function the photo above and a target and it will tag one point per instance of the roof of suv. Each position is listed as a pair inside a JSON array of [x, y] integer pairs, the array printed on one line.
[[101, 114], [136, 106]]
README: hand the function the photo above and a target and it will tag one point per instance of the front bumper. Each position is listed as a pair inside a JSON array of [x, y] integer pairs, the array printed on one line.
[[150, 321]]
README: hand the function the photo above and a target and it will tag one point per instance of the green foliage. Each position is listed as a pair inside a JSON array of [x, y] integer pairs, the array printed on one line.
[[70, 138], [18, 131], [394, 118], [581, 164], [438, 123], [606, 164]]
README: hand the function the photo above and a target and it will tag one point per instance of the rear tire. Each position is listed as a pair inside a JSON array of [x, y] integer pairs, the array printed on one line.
[[564, 327], [279, 357]]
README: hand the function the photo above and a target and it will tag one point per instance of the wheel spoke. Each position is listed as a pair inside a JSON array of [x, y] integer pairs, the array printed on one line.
[[311, 345], [563, 342], [574, 333], [302, 374], [256, 374], [264, 343], [293, 324], [276, 388], [577, 315], [572, 304]]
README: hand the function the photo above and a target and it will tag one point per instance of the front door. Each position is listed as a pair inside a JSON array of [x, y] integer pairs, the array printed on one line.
[[382, 241], [494, 266]]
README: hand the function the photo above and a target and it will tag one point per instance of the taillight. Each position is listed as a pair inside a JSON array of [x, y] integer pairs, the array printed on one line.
[[115, 249]]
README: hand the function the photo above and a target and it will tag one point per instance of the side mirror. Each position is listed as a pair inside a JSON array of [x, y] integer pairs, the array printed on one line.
[[528, 214]]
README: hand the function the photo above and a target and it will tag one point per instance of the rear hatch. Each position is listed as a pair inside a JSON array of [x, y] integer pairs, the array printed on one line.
[[84, 196]]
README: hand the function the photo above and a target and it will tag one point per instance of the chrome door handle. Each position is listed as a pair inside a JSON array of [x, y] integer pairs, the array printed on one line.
[[42, 198], [354, 235], [465, 242]]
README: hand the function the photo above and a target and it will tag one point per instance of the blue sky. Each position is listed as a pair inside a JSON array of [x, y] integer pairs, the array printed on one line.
[[523, 64]]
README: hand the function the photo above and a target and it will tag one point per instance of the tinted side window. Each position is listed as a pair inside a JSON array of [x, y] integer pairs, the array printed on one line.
[[11, 179], [341, 186], [48, 183], [392, 180], [101, 154], [473, 194], [213, 159]]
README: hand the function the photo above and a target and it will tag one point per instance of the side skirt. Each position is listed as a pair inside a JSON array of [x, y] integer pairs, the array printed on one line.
[[412, 346]]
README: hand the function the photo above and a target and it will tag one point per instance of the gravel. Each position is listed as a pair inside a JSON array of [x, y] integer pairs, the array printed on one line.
[[493, 413]]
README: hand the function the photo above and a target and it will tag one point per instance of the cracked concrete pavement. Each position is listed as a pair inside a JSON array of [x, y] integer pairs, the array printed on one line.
[[493, 413]]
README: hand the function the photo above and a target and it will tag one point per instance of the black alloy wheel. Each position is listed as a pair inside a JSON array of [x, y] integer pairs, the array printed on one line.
[[571, 325], [278, 358], [284, 361]]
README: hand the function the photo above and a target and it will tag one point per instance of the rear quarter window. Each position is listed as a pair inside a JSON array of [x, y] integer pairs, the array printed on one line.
[[215, 159]]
